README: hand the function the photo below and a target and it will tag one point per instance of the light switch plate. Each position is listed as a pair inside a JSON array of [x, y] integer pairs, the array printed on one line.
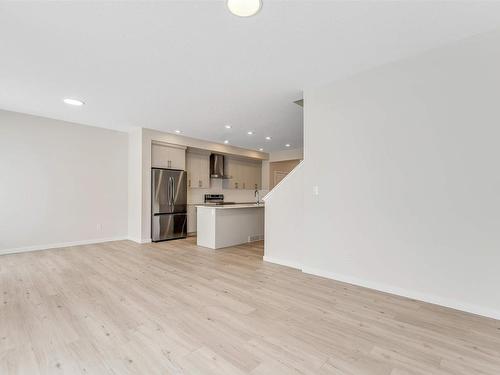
[[316, 190]]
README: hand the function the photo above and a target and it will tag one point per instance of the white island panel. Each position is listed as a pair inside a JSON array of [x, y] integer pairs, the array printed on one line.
[[229, 225]]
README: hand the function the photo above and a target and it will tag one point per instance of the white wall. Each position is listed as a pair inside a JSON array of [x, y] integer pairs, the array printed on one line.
[[284, 221], [406, 158], [134, 184], [60, 183]]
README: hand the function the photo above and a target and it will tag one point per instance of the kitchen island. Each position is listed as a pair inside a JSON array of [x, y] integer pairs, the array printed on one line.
[[229, 225]]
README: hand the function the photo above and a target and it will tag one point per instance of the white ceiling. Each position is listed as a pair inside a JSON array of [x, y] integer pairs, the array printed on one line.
[[193, 66]]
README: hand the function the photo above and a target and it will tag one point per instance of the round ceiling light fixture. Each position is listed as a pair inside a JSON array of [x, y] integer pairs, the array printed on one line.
[[73, 102], [244, 8]]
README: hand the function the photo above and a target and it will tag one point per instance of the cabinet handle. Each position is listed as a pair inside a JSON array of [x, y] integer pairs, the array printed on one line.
[[199, 183]]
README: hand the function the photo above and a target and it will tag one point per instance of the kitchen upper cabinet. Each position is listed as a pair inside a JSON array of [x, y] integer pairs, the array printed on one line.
[[198, 169], [256, 176], [253, 174], [164, 155], [246, 174], [232, 169]]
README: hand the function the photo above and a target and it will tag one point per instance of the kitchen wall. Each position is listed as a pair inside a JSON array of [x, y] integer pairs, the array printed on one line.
[[60, 183], [230, 195], [406, 159]]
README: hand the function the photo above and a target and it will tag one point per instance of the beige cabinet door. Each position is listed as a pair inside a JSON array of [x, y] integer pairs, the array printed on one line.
[[246, 174], [204, 175], [178, 158], [189, 170], [257, 175], [243, 174], [194, 170], [168, 156], [198, 168], [232, 169]]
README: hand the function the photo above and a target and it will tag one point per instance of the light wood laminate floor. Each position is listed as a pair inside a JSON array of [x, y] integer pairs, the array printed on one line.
[[175, 308]]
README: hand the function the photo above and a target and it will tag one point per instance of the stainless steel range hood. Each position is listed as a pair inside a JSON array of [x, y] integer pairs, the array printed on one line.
[[217, 166]]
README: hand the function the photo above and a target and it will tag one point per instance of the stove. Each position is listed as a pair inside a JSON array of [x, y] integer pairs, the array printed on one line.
[[216, 200]]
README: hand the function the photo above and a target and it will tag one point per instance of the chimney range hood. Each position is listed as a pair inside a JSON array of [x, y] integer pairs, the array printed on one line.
[[217, 166]]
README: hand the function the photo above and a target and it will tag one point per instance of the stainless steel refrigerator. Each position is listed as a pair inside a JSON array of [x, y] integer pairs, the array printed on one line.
[[168, 204]]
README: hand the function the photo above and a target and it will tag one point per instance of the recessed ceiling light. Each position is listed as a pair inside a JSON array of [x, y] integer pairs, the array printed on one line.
[[261, 149], [287, 145], [268, 138], [244, 8], [228, 126], [226, 142], [178, 131], [73, 102], [250, 133]]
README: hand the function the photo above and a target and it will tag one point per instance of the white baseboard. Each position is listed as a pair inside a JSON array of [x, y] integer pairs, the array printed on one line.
[[436, 300], [138, 240], [282, 262], [59, 245]]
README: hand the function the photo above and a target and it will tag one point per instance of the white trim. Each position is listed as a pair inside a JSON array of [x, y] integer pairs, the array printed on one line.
[[134, 239], [282, 262], [172, 145], [138, 240], [450, 303], [59, 245]]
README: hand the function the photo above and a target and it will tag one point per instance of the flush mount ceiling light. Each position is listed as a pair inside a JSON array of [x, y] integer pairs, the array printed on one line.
[[178, 131], [226, 142], [288, 145], [250, 133], [268, 138], [73, 102], [228, 126], [244, 8], [261, 149]]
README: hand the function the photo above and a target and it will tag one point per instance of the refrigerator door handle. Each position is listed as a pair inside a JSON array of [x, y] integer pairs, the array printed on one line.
[[169, 191], [172, 191]]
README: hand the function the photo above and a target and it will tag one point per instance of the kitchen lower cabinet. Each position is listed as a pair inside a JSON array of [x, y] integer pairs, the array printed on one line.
[[191, 219]]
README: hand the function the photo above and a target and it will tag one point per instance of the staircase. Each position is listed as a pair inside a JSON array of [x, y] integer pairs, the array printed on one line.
[[284, 222]]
